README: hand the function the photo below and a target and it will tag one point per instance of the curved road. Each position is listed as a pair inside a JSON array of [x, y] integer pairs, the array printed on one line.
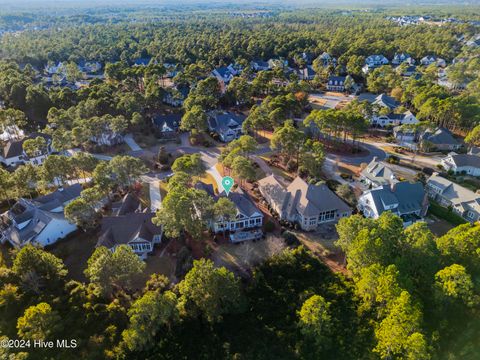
[[373, 151]]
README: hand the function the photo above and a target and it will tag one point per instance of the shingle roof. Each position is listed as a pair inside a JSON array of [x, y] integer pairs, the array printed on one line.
[[171, 121], [385, 100], [118, 230], [466, 160], [408, 196], [129, 204], [440, 136], [378, 172]]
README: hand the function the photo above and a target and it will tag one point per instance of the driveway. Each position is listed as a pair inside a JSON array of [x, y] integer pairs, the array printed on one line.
[[154, 189], [218, 178], [131, 143]]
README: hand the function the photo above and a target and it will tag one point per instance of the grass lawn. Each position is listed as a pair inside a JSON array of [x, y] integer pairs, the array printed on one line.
[[445, 214], [155, 264], [241, 257], [75, 251]]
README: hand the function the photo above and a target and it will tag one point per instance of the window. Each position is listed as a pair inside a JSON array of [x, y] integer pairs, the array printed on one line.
[[471, 215]]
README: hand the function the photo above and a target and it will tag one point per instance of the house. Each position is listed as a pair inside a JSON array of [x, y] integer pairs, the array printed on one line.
[[224, 75], [462, 201], [407, 200], [52, 69], [394, 119], [248, 215], [141, 61], [401, 58], [176, 96], [168, 125], [259, 65], [13, 153], [108, 138], [134, 229], [307, 73], [277, 63], [377, 174], [90, 67], [439, 139], [408, 71], [326, 59], [374, 61], [306, 204], [336, 83], [383, 100], [40, 221], [12, 132], [430, 59], [404, 134], [227, 125], [467, 164]]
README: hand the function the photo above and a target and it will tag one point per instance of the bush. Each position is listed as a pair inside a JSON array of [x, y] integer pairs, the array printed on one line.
[[332, 184], [184, 262], [392, 159], [269, 226], [291, 239], [291, 165]]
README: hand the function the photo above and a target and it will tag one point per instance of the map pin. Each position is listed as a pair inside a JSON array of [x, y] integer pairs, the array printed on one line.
[[227, 183]]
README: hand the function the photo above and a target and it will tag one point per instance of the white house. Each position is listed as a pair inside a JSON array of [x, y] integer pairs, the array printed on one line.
[[404, 199], [227, 125], [224, 75], [13, 153], [401, 58], [467, 164], [40, 221], [462, 201], [377, 173], [407, 118], [305, 204], [374, 61]]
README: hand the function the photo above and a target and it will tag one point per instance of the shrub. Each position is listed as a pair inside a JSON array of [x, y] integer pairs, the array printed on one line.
[[291, 165], [269, 226], [291, 239]]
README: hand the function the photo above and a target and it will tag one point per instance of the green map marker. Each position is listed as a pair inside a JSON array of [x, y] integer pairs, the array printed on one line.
[[227, 183]]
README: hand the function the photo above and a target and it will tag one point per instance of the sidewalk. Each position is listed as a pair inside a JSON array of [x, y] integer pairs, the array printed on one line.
[[218, 178]]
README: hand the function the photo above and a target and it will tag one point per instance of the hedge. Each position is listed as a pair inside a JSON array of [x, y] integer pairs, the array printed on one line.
[[445, 214]]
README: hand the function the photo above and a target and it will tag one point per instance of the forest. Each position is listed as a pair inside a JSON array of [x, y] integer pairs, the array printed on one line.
[[405, 294]]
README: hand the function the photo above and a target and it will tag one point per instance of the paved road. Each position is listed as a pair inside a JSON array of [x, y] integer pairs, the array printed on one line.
[[373, 151]]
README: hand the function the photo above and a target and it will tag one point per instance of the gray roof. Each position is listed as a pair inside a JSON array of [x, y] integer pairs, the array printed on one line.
[[38, 213], [14, 148], [222, 122], [130, 203], [241, 200], [409, 197], [440, 136], [378, 172], [387, 101], [170, 120], [466, 160], [118, 230], [303, 198], [458, 195]]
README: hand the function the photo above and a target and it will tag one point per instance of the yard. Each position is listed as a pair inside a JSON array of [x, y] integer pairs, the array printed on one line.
[[75, 250], [241, 257], [321, 243], [438, 226]]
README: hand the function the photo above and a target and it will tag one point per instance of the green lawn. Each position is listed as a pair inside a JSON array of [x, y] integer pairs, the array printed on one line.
[[445, 214], [75, 251]]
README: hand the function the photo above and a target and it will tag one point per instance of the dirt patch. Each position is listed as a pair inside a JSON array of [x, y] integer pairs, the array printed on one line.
[[240, 258]]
